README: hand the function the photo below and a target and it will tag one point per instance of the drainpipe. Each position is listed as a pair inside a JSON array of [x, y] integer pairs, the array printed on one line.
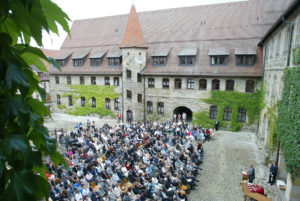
[[122, 98], [144, 99]]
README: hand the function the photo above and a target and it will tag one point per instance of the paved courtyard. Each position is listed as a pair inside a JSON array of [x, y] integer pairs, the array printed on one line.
[[225, 158]]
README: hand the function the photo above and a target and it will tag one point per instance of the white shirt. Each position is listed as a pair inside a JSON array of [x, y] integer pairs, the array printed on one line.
[[78, 196]]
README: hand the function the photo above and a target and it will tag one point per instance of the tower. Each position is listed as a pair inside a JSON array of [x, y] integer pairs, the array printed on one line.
[[134, 61]]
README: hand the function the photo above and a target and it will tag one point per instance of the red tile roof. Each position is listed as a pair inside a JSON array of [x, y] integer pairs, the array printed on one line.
[[133, 36]]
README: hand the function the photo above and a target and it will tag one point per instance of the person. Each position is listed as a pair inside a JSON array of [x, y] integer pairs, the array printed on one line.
[[251, 174], [273, 173], [174, 117], [119, 117], [179, 117], [183, 116], [217, 125], [88, 124], [257, 189]]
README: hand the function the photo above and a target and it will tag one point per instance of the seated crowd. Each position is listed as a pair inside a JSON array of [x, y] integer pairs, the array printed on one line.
[[144, 161]]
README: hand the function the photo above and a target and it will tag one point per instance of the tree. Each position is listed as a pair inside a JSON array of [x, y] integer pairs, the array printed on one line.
[[24, 140]]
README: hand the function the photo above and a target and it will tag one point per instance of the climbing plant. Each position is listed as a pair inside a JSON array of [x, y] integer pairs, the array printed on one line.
[[202, 119], [289, 117], [273, 122], [234, 100], [100, 93], [24, 140]]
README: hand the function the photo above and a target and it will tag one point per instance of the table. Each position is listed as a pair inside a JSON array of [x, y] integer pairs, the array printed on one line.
[[256, 196]]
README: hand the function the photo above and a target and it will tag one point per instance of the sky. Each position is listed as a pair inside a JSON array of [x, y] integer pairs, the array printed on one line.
[[83, 9]]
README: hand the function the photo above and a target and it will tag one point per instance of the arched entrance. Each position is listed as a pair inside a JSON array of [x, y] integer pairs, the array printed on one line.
[[180, 110], [129, 116]]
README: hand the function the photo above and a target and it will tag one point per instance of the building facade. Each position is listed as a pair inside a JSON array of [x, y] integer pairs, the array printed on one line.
[[164, 62]]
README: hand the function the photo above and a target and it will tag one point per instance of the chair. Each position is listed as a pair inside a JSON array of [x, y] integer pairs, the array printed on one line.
[[183, 187]]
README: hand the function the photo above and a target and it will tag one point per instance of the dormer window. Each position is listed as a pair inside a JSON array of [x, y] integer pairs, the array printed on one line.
[[79, 58], [218, 56], [62, 58], [159, 57], [187, 57], [245, 56], [159, 61], [96, 58], [115, 58]]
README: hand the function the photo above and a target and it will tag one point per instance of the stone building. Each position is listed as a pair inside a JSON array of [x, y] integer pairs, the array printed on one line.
[[164, 62], [278, 44]]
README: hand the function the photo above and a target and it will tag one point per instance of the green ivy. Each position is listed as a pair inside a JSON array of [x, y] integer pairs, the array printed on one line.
[[90, 91], [262, 99], [62, 107], [289, 119], [296, 56], [234, 100], [273, 122], [202, 119]]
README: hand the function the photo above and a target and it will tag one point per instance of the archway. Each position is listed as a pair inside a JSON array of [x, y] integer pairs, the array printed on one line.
[[180, 110], [129, 116]]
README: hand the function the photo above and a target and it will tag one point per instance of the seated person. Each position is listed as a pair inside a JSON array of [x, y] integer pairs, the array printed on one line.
[[257, 189]]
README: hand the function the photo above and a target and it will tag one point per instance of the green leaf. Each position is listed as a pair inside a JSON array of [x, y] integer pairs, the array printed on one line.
[[15, 75]]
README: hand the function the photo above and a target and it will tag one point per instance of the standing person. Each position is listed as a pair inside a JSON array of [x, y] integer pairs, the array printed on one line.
[[184, 116], [273, 173], [251, 174], [174, 117], [119, 117], [179, 117], [217, 125], [88, 124]]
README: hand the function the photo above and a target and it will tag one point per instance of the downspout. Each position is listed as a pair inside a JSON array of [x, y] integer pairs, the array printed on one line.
[[144, 99], [122, 99], [288, 64]]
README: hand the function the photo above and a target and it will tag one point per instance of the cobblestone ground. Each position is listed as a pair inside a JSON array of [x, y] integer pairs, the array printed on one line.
[[225, 158]]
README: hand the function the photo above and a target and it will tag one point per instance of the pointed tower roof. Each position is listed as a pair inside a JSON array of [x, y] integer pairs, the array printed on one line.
[[133, 35]]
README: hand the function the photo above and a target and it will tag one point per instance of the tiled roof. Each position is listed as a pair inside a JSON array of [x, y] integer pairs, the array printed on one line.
[[81, 54], [219, 51], [188, 52], [133, 36], [244, 51], [228, 25]]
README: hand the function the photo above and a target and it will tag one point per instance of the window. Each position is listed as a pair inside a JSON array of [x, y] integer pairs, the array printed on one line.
[[139, 98], [61, 62], [186, 61], [202, 84], [70, 100], [116, 81], [78, 62], [93, 80], [165, 84], [245, 60], [229, 85], [242, 115], [69, 80], [81, 80], [177, 83], [159, 61], [58, 99], [250, 84], [227, 114], [160, 108], [106, 81], [139, 77], [213, 112], [215, 84], [114, 61], [149, 107], [128, 74], [129, 94], [219, 60], [56, 79], [190, 84], [117, 104], [82, 100], [93, 102], [95, 62], [151, 83], [107, 103]]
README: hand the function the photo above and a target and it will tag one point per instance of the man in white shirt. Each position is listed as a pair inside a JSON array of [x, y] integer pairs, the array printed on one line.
[[78, 196]]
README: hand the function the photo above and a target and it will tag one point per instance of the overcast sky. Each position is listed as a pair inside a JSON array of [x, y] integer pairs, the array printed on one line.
[[82, 9]]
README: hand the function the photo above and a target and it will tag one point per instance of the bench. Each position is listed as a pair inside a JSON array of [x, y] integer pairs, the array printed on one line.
[[256, 196]]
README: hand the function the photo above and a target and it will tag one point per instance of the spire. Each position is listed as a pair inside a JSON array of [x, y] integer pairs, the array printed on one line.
[[133, 35]]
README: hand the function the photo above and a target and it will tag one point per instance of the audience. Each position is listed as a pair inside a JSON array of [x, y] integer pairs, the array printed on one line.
[[144, 161]]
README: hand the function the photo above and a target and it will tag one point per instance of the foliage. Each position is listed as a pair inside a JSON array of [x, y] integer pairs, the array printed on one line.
[[62, 107], [273, 122], [202, 119], [262, 99], [23, 138], [289, 119], [296, 56], [90, 91], [235, 100]]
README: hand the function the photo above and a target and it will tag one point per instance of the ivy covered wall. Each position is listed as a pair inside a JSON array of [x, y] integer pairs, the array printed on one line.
[[100, 93], [289, 118], [234, 100]]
